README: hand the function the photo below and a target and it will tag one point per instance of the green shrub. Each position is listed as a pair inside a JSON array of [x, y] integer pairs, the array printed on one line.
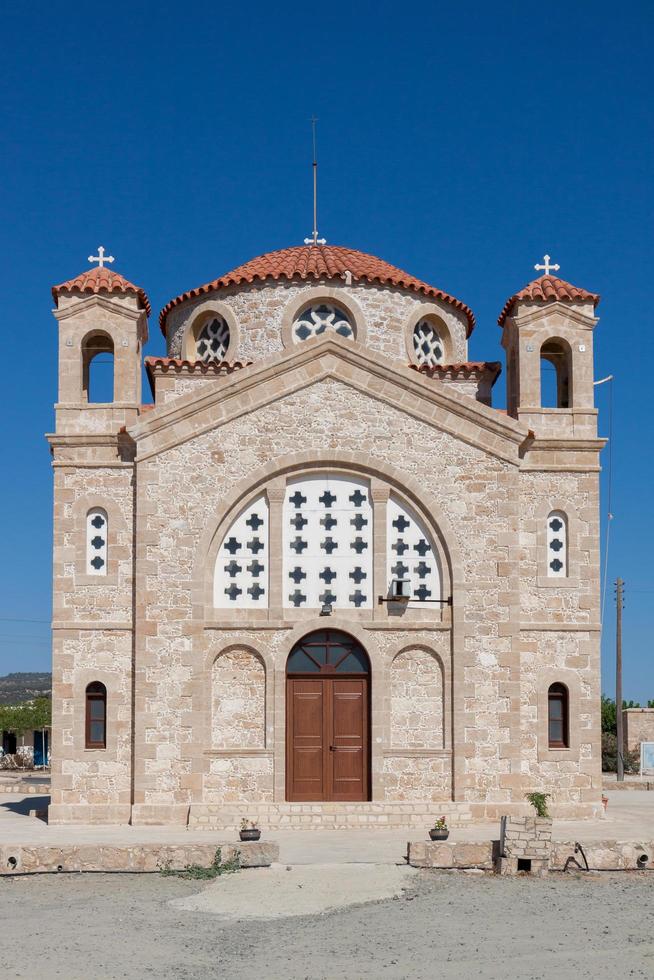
[[197, 872], [539, 803]]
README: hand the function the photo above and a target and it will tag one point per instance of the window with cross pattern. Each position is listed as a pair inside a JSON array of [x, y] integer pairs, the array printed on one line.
[[557, 545], [412, 555], [241, 576]]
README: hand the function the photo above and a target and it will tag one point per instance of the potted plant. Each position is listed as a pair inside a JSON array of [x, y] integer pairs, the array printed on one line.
[[440, 830], [249, 830]]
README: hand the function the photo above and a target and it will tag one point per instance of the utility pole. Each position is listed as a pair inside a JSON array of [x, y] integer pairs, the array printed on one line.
[[619, 585]]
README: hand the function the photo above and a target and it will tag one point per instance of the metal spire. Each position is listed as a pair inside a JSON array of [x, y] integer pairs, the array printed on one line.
[[314, 240]]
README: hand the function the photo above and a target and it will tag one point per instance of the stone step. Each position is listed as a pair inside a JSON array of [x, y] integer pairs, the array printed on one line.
[[338, 816]]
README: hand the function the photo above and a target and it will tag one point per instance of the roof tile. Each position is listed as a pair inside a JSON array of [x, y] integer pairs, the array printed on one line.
[[548, 289], [318, 262], [101, 280]]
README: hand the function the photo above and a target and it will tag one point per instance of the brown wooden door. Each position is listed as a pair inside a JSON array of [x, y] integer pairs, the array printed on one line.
[[327, 739]]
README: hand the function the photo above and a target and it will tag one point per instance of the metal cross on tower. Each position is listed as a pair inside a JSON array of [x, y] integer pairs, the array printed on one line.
[[101, 258], [547, 268], [314, 240]]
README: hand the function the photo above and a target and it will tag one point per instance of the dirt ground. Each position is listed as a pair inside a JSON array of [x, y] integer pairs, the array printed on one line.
[[439, 926]]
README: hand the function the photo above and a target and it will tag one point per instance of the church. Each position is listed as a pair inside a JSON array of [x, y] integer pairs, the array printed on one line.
[[321, 580]]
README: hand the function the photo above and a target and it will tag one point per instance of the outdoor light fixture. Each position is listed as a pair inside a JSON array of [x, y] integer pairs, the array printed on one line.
[[326, 609], [400, 592]]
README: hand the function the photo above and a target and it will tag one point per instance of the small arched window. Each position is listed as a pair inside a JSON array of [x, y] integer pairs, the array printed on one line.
[[557, 545], [212, 339], [558, 725], [97, 526], [555, 375], [98, 369], [314, 320], [427, 343], [96, 716]]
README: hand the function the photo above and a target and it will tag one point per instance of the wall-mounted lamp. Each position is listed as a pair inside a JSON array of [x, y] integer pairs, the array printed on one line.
[[326, 609], [400, 591]]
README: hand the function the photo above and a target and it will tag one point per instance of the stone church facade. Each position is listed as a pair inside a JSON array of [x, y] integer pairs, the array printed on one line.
[[322, 579]]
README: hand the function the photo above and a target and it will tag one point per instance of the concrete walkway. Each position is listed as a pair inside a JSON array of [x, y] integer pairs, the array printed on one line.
[[630, 817]]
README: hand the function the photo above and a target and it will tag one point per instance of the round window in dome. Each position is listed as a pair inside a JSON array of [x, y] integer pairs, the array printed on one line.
[[315, 320], [427, 343], [212, 340]]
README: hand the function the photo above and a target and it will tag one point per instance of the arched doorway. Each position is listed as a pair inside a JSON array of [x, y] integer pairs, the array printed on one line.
[[327, 719]]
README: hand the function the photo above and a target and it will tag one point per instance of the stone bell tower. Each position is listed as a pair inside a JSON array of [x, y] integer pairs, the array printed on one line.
[[549, 325], [99, 313]]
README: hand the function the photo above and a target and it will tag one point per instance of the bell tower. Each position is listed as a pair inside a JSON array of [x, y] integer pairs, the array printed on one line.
[[101, 315], [547, 333]]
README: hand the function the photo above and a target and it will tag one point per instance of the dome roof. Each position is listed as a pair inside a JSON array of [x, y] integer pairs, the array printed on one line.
[[548, 289], [319, 262], [102, 280]]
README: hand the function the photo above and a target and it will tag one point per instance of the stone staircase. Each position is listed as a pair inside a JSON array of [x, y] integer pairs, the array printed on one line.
[[327, 816]]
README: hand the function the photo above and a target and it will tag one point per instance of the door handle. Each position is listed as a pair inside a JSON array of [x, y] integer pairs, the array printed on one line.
[[332, 748]]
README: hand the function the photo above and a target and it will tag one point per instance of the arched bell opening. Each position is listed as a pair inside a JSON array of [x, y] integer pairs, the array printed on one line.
[[328, 719], [98, 369], [555, 375]]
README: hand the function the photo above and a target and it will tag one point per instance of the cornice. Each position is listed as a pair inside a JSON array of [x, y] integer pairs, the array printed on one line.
[[533, 314], [88, 302], [396, 385]]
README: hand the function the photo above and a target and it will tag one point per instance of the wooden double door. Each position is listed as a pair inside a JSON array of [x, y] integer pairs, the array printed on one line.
[[327, 739]]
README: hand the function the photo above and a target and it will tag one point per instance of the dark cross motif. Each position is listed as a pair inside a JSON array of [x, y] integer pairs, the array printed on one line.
[[327, 597], [423, 569], [400, 546], [233, 568], [422, 547], [297, 499], [357, 497], [297, 574], [328, 545], [556, 565], [302, 332], [358, 545], [232, 546], [328, 522], [298, 521], [358, 575], [555, 544], [556, 525], [358, 522], [327, 575], [422, 592], [401, 523], [97, 562], [255, 568], [256, 591], [400, 569], [97, 542], [97, 522], [233, 592], [297, 598], [328, 499], [298, 545], [254, 521], [255, 545], [357, 598]]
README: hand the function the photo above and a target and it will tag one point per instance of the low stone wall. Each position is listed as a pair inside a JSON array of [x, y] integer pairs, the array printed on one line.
[[605, 855], [28, 789], [328, 816], [20, 859], [446, 854]]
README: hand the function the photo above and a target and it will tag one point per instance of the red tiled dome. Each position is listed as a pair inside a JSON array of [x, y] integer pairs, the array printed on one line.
[[549, 288], [318, 262], [102, 280]]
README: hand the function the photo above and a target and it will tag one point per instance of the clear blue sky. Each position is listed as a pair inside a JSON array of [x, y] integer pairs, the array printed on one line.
[[458, 141]]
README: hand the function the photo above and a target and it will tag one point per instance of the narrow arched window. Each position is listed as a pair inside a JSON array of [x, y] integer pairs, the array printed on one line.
[[555, 375], [558, 725], [96, 716], [411, 555], [97, 526], [427, 343], [557, 545], [241, 572], [212, 339], [98, 369]]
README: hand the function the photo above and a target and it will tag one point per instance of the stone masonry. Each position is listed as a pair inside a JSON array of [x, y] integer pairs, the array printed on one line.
[[195, 727]]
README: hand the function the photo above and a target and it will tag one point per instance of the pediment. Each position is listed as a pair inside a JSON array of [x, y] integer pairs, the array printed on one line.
[[383, 380]]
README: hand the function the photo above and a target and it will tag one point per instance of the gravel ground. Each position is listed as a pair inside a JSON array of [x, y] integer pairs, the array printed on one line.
[[441, 926]]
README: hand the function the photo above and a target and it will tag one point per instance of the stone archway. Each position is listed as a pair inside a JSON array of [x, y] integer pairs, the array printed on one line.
[[327, 719]]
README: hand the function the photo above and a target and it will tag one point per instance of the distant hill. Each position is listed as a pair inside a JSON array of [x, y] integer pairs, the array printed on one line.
[[22, 686]]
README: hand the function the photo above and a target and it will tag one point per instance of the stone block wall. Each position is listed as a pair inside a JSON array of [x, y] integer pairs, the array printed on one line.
[[638, 726]]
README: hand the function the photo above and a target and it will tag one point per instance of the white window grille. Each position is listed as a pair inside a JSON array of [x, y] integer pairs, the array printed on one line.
[[97, 527], [328, 543], [315, 320], [557, 545], [212, 340], [427, 343], [411, 554], [241, 574]]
